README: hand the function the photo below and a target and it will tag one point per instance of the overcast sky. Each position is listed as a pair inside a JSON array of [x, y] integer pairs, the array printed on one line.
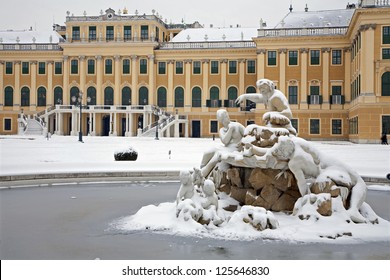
[[40, 14]]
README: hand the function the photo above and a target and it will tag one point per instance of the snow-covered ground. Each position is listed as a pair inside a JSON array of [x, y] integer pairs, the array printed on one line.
[[64, 154]]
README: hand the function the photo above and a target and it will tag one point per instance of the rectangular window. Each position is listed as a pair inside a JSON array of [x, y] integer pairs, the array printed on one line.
[[179, 67], [232, 67], [7, 124], [271, 58], [196, 67], [385, 53], [251, 66], [386, 124], [337, 57], [91, 66], [337, 126], [294, 123], [74, 66], [42, 68], [293, 94], [314, 57], [110, 33], [354, 125], [162, 68], [144, 32], [25, 67], [108, 66], [386, 35], [143, 66], [314, 126], [214, 67], [76, 33], [92, 33], [292, 58], [336, 97], [314, 97], [58, 68], [126, 66], [213, 126], [8, 68], [157, 34], [127, 33]]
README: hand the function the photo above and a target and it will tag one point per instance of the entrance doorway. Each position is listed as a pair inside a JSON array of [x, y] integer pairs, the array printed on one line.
[[195, 129], [106, 125]]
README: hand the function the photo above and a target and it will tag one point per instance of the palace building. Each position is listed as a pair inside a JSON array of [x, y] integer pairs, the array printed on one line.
[[121, 74]]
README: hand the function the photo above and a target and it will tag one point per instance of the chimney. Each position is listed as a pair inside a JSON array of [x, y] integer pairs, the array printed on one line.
[[306, 8]]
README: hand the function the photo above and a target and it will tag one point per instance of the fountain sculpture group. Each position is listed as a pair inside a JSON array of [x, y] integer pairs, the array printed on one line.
[[266, 169]]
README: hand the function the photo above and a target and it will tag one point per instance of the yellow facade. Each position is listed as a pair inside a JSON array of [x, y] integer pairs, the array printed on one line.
[[337, 80]]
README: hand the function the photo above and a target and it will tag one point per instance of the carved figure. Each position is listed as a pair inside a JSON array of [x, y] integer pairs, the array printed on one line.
[[230, 134], [186, 188], [211, 197], [279, 114]]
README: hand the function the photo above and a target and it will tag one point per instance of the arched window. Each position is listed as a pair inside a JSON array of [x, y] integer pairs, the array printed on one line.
[[126, 96], [58, 95], [232, 96], [74, 91], [196, 97], [143, 96], [25, 96], [8, 96], [108, 96], [250, 104], [162, 97], [41, 92], [91, 93], [179, 97], [214, 97], [386, 84]]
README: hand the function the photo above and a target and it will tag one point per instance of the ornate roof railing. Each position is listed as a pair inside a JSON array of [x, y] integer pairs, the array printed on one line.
[[308, 31], [207, 45]]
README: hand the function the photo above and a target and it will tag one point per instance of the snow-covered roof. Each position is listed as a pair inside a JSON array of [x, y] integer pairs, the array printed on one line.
[[215, 34], [330, 18], [27, 37]]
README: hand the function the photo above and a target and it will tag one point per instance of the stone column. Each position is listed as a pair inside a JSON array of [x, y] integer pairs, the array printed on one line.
[[367, 60], [223, 95], [130, 125], [99, 79], [82, 73], [17, 95], [152, 90], [260, 64], [187, 86], [33, 89], [2, 85], [118, 74], [50, 96], [282, 70], [94, 125], [303, 88], [347, 77], [65, 75], [134, 80], [170, 95], [241, 71], [205, 90], [325, 78]]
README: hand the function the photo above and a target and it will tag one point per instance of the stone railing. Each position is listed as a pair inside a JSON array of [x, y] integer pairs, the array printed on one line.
[[30, 47], [115, 18], [208, 45], [291, 32]]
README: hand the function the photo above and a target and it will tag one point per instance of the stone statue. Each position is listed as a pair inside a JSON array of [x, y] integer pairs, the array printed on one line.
[[279, 114], [186, 190], [230, 134]]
